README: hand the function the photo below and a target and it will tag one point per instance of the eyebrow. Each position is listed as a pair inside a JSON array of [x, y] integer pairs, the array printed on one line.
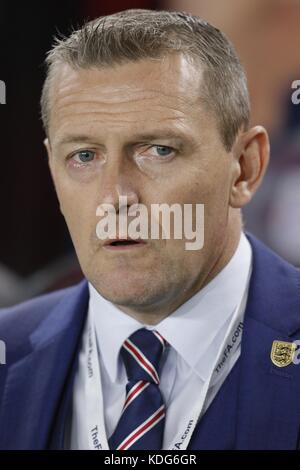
[[69, 139], [145, 136]]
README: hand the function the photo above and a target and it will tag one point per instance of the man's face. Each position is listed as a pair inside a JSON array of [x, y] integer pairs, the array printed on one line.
[[139, 130]]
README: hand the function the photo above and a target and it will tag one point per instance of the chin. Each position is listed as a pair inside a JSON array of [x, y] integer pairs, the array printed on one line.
[[130, 292]]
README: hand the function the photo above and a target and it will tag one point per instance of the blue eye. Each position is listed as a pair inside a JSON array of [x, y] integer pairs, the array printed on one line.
[[163, 151], [84, 156], [159, 152]]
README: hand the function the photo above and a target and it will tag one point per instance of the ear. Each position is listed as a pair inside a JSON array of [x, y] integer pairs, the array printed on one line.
[[251, 157]]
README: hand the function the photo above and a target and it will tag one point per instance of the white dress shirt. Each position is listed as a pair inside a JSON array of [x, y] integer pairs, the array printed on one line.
[[194, 331]]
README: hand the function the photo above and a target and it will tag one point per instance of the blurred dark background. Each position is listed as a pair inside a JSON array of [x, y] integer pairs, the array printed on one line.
[[36, 254]]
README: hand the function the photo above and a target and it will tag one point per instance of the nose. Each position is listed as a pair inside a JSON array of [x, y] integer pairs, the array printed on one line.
[[119, 186]]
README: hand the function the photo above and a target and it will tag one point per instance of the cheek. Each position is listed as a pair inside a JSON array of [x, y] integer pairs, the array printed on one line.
[[78, 209], [202, 181], [211, 189]]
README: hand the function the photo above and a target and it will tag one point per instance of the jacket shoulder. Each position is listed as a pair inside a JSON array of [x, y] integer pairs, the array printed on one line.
[[20, 320], [274, 292]]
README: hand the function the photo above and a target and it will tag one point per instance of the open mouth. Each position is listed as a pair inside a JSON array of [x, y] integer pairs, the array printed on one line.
[[124, 243]]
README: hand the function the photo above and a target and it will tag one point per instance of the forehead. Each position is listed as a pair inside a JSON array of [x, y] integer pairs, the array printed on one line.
[[130, 94]]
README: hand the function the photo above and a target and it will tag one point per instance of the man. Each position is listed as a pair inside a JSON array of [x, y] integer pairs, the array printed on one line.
[[146, 353]]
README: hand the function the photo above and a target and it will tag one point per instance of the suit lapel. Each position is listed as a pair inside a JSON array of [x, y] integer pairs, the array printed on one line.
[[35, 384], [268, 407]]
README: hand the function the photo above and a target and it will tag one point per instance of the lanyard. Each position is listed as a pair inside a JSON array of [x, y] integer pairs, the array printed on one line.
[[228, 353], [93, 391]]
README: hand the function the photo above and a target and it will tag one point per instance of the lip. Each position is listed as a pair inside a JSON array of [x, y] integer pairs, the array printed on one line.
[[135, 243]]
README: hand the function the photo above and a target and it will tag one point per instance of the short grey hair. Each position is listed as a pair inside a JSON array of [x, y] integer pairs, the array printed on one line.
[[136, 34]]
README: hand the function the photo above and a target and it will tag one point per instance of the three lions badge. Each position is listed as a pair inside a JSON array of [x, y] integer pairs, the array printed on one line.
[[282, 353]]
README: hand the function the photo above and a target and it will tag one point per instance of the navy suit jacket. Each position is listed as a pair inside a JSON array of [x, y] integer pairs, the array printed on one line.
[[258, 406]]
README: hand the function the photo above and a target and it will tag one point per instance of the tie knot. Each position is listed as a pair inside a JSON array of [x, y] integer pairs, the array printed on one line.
[[141, 354]]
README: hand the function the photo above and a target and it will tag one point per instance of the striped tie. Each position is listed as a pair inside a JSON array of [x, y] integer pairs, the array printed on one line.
[[141, 424]]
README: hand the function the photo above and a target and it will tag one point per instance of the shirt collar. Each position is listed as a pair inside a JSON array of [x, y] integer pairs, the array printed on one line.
[[201, 318]]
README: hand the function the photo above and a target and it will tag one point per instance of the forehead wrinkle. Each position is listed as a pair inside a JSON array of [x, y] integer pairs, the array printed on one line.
[[68, 117], [177, 123], [128, 125], [165, 112], [172, 106], [91, 133], [156, 112], [153, 98]]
